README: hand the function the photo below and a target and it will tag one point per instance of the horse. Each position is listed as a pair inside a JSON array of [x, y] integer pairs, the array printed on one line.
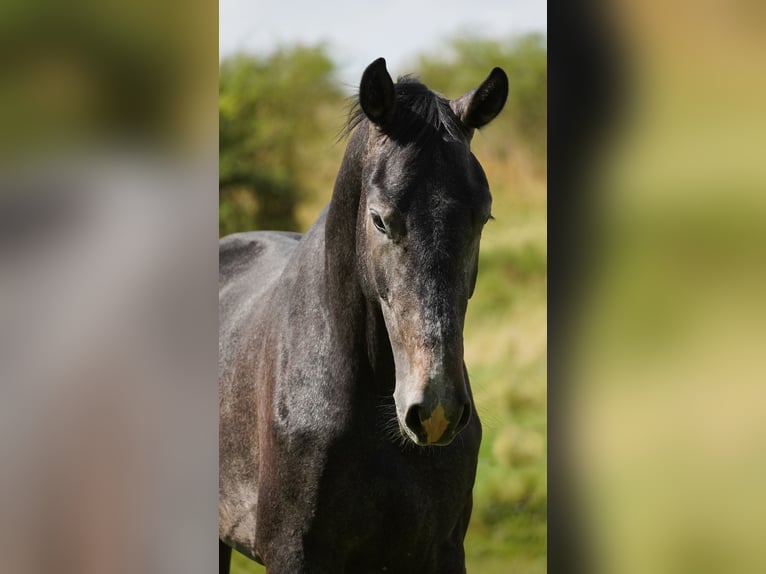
[[349, 438]]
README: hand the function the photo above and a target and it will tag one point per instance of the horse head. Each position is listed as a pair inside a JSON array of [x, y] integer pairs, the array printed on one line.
[[424, 202]]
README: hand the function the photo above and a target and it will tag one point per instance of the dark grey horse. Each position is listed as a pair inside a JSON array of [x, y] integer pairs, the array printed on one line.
[[348, 435]]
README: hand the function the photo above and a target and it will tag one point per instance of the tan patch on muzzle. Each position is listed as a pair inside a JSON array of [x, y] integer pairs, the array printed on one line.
[[435, 425]]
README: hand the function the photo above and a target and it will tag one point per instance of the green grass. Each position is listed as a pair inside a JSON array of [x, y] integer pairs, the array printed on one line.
[[243, 565], [506, 350]]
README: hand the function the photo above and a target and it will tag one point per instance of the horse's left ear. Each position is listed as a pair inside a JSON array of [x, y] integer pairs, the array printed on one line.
[[376, 93], [480, 106]]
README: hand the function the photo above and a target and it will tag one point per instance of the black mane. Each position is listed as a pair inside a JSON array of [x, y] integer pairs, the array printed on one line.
[[421, 115]]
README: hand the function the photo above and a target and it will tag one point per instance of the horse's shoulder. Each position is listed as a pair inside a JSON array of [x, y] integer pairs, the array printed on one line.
[[248, 266]]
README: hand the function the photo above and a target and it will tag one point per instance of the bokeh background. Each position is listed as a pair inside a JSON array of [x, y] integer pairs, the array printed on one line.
[[108, 272], [665, 383], [282, 106]]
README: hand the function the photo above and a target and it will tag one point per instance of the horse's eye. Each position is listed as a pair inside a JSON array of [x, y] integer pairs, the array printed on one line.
[[377, 221]]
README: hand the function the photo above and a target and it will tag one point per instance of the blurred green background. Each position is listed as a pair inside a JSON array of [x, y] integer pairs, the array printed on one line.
[[279, 119]]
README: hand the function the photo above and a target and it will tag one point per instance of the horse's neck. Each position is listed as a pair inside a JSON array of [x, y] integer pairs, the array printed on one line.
[[363, 332]]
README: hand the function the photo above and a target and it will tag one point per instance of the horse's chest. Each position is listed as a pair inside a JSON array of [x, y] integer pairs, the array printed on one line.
[[381, 509], [412, 510]]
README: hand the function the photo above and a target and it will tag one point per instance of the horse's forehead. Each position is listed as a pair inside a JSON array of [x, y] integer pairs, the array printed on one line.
[[399, 169]]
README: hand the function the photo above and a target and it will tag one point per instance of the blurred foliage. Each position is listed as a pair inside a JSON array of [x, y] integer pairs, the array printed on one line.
[[85, 75], [270, 113], [279, 118], [467, 60]]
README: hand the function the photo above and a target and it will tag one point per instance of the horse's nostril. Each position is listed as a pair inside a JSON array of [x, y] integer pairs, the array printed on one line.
[[412, 420]]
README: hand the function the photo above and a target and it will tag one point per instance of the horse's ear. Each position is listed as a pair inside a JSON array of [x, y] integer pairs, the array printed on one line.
[[376, 93], [480, 106]]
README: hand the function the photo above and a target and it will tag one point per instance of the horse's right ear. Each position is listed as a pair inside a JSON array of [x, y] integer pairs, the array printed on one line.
[[376, 93]]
